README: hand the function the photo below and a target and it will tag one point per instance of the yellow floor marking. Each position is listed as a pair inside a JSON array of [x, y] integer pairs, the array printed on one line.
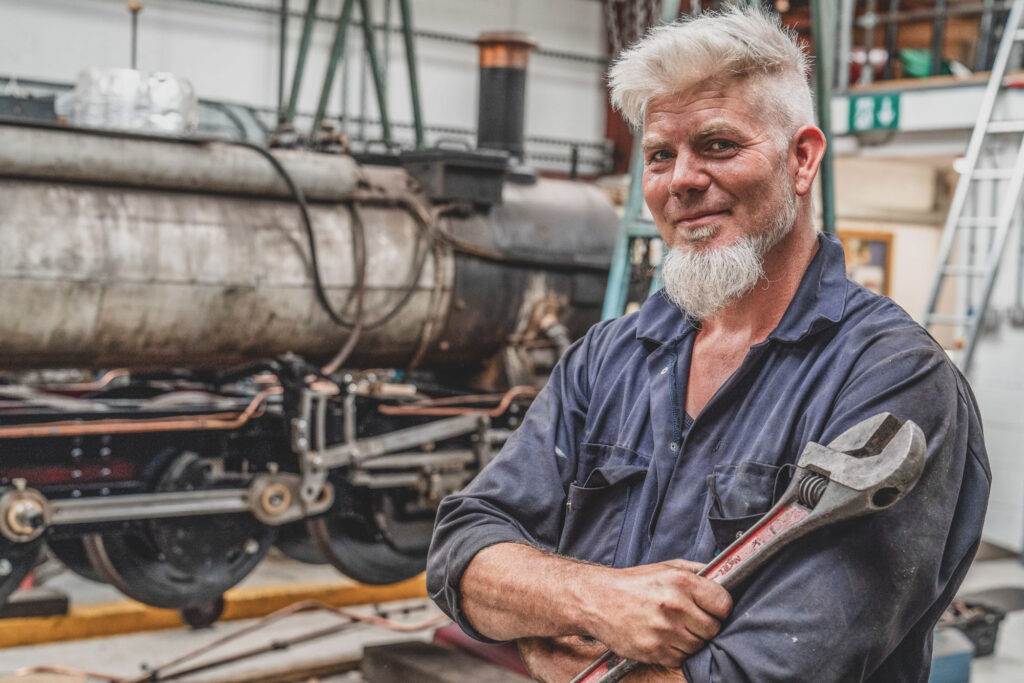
[[93, 621]]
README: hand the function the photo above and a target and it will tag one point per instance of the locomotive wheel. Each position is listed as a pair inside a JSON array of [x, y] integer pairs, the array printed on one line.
[[71, 553], [360, 552], [16, 561], [182, 562], [294, 541]]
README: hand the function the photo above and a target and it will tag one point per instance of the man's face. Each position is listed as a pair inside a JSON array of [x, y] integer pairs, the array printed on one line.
[[712, 170], [719, 189]]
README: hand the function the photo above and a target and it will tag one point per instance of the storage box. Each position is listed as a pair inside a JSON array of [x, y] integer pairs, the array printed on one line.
[[447, 175]]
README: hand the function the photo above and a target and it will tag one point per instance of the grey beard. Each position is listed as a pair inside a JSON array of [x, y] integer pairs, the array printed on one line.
[[702, 281]]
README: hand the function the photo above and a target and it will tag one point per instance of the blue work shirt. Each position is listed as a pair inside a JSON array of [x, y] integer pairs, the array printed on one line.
[[607, 467]]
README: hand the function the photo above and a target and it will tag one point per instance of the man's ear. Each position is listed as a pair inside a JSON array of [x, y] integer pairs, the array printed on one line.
[[805, 155]]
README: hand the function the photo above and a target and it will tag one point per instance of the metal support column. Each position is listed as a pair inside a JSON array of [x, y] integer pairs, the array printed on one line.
[[891, 30], [985, 28], [847, 9], [337, 50], [938, 37], [410, 61], [823, 28], [870, 20], [300, 60], [134, 8], [370, 47], [282, 50]]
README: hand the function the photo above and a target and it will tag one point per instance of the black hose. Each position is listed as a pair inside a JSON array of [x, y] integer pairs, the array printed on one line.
[[359, 256], [300, 199]]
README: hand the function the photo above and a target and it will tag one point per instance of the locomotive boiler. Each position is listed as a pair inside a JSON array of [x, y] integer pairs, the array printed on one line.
[[281, 347]]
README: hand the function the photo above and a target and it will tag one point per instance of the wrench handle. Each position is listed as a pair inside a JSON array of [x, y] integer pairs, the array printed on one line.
[[745, 552]]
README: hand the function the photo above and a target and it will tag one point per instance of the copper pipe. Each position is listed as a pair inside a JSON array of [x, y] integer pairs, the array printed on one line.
[[435, 408], [302, 606], [102, 382], [120, 426], [76, 675]]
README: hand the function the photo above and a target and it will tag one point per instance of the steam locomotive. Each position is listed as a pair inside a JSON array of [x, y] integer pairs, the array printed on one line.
[[208, 349]]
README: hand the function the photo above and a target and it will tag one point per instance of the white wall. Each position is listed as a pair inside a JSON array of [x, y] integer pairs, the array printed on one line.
[[231, 55], [997, 377]]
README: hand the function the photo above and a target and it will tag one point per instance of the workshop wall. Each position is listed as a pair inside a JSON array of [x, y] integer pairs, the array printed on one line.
[[232, 55], [997, 378]]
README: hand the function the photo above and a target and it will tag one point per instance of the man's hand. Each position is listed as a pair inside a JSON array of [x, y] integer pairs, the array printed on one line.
[[657, 613], [558, 660]]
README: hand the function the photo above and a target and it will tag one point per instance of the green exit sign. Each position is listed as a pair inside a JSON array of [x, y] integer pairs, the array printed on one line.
[[874, 112]]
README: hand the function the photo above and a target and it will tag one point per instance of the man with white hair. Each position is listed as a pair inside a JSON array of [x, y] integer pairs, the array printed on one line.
[[663, 435]]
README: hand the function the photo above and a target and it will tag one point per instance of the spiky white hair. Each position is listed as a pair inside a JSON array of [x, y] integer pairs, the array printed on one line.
[[737, 44]]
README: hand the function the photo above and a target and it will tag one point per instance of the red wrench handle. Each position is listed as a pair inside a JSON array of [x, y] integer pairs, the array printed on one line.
[[610, 668], [729, 560]]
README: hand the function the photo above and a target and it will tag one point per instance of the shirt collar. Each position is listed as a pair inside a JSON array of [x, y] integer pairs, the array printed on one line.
[[819, 302]]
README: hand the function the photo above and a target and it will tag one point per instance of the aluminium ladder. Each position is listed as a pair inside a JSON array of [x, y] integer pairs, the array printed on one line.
[[1000, 180], [633, 226]]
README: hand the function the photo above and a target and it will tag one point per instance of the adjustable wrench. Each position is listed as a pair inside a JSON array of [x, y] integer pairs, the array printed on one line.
[[867, 468]]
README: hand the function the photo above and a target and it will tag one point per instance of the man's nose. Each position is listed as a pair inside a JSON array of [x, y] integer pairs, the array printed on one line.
[[688, 175]]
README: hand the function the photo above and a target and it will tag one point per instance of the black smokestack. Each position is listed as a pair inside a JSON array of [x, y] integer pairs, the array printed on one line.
[[501, 116]]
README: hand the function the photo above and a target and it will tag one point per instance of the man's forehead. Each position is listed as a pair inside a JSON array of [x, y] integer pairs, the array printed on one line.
[[706, 110]]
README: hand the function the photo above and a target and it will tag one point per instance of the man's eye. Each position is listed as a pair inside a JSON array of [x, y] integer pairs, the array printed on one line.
[[658, 155], [722, 146]]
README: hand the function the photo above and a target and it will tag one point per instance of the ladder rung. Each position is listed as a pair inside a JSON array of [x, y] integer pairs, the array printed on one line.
[[991, 174], [964, 270], [979, 221], [642, 228], [1006, 126], [938, 319]]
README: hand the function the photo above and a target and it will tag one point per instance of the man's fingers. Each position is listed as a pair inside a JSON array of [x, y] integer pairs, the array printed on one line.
[[688, 643], [713, 599], [686, 565], [701, 624]]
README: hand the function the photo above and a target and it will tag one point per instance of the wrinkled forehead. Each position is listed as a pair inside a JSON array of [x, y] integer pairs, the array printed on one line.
[[733, 99]]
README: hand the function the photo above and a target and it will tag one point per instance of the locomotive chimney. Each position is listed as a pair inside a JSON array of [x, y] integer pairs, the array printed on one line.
[[500, 120]]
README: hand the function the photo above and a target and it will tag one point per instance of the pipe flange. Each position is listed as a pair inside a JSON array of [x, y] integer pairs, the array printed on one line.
[[24, 515]]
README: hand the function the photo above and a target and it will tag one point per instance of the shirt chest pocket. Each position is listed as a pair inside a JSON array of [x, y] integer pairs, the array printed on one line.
[[596, 510], [740, 495]]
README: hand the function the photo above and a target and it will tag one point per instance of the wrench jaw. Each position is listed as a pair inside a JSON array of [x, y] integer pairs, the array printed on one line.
[[882, 462], [879, 465]]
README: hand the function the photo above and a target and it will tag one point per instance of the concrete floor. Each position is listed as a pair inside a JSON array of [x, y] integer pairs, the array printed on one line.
[[132, 655]]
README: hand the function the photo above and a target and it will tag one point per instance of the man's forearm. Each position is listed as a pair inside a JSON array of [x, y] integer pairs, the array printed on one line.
[[658, 613], [513, 591]]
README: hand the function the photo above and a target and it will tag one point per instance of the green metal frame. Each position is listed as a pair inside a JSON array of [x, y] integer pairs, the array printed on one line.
[[370, 45], [337, 50], [300, 62], [823, 28], [414, 81], [337, 55]]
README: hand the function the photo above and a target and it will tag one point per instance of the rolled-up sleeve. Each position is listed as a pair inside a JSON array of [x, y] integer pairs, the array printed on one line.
[[857, 601], [520, 496]]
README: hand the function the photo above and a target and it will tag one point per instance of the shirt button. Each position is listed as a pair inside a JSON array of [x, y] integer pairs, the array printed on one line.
[[673, 446], [664, 370]]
